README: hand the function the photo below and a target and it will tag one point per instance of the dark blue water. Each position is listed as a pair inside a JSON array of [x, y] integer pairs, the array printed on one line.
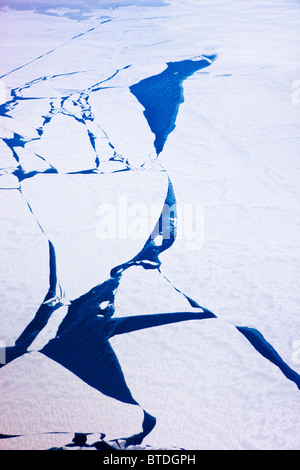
[[266, 349], [161, 238], [162, 94]]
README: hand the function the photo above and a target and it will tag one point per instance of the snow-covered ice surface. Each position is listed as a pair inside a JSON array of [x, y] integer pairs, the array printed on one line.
[[109, 115]]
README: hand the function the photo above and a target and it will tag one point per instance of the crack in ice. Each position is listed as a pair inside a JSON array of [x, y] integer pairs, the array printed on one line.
[[55, 48], [79, 109], [82, 342]]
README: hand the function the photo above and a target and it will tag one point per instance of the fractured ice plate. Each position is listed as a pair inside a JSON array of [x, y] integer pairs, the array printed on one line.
[[74, 211]]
